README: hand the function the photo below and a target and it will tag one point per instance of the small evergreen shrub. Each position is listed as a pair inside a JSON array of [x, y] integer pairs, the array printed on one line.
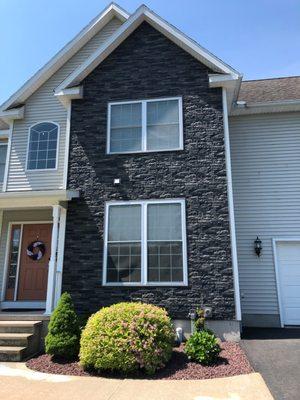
[[127, 337], [203, 347], [200, 320], [63, 335]]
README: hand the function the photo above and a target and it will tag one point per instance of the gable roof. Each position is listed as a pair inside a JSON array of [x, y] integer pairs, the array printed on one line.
[[274, 89], [143, 13], [56, 62]]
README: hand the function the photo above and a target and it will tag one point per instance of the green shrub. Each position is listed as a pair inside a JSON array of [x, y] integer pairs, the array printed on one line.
[[63, 335], [203, 347], [127, 337]]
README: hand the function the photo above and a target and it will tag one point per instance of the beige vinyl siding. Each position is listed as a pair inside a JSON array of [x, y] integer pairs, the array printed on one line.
[[17, 216], [44, 106], [265, 152]]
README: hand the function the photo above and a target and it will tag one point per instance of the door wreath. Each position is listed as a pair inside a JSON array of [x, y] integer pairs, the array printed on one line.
[[36, 250]]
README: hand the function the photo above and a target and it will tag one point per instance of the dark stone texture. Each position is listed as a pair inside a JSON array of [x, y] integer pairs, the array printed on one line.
[[148, 65]]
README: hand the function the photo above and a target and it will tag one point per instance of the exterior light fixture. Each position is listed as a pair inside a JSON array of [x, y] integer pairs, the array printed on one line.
[[257, 246]]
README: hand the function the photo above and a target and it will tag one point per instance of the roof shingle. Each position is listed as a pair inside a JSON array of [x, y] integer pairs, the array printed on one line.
[[275, 89]]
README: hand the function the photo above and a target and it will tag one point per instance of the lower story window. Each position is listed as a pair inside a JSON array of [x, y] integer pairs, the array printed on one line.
[[145, 243]]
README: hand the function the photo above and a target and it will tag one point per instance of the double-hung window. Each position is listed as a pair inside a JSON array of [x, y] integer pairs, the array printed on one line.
[[43, 146], [145, 125], [145, 243], [3, 156]]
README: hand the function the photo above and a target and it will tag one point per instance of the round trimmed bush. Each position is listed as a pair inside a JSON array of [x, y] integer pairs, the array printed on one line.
[[127, 337], [203, 347]]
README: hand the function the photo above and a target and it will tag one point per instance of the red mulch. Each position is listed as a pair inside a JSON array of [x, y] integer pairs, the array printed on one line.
[[232, 361]]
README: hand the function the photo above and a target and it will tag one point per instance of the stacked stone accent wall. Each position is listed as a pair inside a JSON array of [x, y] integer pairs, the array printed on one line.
[[148, 65]]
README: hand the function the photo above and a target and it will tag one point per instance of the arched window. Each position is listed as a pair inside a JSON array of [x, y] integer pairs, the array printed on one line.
[[42, 148]]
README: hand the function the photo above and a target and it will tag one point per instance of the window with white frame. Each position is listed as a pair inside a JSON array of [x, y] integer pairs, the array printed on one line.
[[42, 146], [3, 155], [145, 243], [145, 125]]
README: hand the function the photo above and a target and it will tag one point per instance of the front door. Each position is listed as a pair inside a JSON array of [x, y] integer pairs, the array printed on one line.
[[288, 258], [34, 254]]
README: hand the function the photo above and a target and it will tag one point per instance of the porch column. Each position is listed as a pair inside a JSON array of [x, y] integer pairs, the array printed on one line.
[[52, 263], [60, 254]]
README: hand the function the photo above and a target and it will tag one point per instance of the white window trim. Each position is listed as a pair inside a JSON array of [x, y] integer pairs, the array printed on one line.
[[57, 148], [144, 266], [144, 125], [6, 161]]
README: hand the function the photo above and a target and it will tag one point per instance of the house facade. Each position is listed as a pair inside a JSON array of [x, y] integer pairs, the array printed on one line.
[[137, 166]]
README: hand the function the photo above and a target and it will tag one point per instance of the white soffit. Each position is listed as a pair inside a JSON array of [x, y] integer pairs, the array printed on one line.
[[143, 13], [19, 97]]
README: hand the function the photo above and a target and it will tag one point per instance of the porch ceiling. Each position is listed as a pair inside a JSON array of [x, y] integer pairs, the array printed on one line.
[[35, 199]]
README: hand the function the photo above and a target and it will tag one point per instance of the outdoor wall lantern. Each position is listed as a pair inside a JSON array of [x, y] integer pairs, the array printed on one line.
[[257, 246]]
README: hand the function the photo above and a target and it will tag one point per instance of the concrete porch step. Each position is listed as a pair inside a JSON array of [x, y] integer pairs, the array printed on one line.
[[12, 353], [15, 339], [19, 339], [19, 326], [22, 316]]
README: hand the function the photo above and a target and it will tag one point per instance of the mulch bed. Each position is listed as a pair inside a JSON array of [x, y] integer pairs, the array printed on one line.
[[232, 362]]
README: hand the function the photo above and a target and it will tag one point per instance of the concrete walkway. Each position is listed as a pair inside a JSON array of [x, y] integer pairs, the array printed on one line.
[[19, 383], [275, 353]]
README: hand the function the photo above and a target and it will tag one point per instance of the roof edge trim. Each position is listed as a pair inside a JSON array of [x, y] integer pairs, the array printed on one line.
[[60, 58], [143, 13]]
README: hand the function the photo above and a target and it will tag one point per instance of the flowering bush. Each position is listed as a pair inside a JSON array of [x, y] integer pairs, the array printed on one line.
[[127, 337]]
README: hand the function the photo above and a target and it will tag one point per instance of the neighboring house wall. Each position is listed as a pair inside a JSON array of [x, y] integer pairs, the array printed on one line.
[[44, 106], [148, 65], [17, 216], [265, 151]]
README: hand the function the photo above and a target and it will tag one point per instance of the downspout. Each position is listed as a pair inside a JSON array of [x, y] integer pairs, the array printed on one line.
[[236, 284]]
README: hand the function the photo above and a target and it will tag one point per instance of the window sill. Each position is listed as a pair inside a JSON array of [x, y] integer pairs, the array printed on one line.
[[144, 151], [41, 170], [150, 284]]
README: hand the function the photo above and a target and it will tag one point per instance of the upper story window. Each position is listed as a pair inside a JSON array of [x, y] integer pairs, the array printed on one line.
[[43, 146], [145, 125], [145, 243], [3, 156]]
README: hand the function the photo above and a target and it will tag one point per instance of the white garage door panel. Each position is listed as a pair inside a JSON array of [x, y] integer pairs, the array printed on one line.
[[288, 258], [292, 316], [292, 293]]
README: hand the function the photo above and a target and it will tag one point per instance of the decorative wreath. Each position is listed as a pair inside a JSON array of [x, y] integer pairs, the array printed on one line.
[[36, 250]]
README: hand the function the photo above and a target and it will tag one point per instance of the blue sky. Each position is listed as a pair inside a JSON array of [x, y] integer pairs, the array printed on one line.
[[260, 38]]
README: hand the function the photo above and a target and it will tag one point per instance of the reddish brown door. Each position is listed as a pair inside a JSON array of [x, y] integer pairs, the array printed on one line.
[[33, 274]]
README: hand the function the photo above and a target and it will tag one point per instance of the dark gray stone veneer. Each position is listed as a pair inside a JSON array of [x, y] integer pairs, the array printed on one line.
[[148, 65]]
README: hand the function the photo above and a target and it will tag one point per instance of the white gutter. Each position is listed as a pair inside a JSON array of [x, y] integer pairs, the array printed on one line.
[[231, 209], [61, 195], [66, 95], [13, 113], [229, 82], [265, 107]]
